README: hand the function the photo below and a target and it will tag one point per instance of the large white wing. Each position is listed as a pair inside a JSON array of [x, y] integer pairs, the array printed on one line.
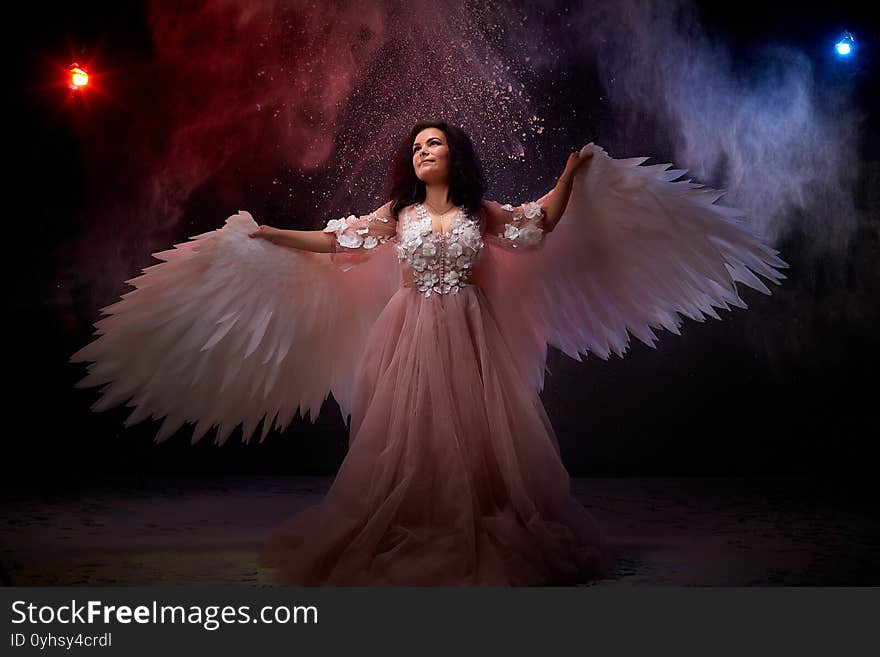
[[230, 329], [633, 252]]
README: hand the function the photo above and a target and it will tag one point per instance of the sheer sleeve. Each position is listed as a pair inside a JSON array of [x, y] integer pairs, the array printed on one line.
[[356, 239], [515, 228]]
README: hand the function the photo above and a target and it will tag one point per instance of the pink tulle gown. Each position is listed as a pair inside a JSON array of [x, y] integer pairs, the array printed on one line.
[[434, 339], [453, 474]]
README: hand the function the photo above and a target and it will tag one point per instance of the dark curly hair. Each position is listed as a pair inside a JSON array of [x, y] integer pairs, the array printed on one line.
[[466, 181]]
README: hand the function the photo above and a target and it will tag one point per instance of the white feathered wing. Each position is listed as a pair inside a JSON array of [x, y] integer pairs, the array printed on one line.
[[632, 252], [231, 329]]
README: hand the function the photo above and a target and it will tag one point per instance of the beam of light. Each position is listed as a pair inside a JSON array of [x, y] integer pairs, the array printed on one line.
[[78, 77], [845, 45]]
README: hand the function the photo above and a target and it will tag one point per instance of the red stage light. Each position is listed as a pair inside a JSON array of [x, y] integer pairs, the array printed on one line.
[[78, 77]]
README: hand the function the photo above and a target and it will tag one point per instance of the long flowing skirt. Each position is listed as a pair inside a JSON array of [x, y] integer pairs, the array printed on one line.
[[453, 475]]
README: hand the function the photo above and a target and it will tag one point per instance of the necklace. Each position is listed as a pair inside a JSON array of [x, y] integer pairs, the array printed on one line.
[[434, 210]]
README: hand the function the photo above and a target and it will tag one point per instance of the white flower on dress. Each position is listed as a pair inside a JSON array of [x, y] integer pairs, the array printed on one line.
[[508, 207], [532, 210], [370, 242], [451, 277], [335, 225], [347, 235], [412, 242], [529, 235], [455, 249], [349, 238], [471, 238], [429, 249]]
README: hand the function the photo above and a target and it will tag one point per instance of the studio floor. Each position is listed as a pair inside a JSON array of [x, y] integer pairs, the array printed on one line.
[[208, 531]]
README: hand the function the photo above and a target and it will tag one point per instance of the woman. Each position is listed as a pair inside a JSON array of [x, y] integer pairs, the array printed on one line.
[[431, 327]]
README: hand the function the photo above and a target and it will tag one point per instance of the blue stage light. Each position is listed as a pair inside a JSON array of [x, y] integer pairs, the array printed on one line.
[[845, 45]]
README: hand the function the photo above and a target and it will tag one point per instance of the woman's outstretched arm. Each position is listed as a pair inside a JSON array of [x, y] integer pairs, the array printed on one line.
[[555, 201], [307, 240], [352, 233]]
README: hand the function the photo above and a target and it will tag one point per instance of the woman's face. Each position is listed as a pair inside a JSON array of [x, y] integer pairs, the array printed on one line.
[[431, 156]]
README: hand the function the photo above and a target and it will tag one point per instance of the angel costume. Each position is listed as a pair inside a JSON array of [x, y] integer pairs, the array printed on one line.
[[435, 343]]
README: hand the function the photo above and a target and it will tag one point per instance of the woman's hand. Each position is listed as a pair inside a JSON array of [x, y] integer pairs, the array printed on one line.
[[576, 161], [266, 232]]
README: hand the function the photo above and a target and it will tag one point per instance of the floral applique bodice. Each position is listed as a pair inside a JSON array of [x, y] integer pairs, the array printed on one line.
[[440, 263]]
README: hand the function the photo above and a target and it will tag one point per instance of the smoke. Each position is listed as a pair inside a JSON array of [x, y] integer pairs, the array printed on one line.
[[307, 87], [783, 147], [313, 97], [292, 109]]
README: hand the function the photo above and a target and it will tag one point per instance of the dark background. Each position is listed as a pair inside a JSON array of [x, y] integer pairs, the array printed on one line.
[[785, 387]]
